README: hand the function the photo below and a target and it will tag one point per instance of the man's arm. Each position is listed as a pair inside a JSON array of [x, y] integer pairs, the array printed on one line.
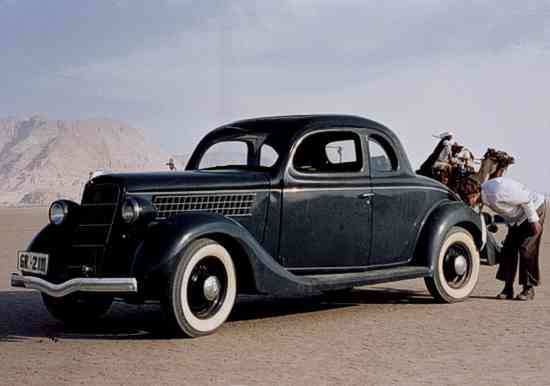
[[536, 228], [426, 167]]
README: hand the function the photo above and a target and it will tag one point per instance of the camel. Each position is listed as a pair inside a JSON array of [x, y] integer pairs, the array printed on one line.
[[493, 162], [454, 176]]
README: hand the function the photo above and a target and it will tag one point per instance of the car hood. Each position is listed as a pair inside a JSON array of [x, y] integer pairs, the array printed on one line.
[[186, 181]]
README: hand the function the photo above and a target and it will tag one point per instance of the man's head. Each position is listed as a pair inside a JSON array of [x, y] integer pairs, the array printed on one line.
[[456, 148], [442, 174], [470, 191]]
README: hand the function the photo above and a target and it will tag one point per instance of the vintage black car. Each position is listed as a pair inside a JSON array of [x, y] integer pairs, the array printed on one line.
[[295, 205]]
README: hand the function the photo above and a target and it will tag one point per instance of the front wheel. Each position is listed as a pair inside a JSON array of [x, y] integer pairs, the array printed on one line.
[[456, 270], [201, 290]]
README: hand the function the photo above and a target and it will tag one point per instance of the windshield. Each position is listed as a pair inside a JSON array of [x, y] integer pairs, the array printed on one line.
[[238, 154], [225, 153]]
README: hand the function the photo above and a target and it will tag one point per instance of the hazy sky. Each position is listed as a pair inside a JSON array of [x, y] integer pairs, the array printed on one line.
[[178, 68]]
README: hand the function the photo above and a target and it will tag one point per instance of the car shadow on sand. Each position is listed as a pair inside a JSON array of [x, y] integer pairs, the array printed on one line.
[[23, 316]]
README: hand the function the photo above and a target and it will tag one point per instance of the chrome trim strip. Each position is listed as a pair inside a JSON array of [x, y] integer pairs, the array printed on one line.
[[294, 190], [202, 211], [193, 192], [410, 187], [84, 284]]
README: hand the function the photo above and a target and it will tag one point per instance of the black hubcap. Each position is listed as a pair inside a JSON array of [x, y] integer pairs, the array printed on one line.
[[457, 265], [204, 305]]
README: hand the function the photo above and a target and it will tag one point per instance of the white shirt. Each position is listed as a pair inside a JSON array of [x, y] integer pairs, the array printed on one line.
[[511, 200]]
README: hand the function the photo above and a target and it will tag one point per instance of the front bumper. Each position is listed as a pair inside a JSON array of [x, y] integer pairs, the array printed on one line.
[[84, 284]]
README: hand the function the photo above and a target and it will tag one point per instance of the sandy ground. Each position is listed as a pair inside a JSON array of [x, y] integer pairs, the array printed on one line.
[[391, 334]]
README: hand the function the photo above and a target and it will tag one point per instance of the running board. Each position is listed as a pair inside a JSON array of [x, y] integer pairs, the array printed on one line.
[[356, 279]]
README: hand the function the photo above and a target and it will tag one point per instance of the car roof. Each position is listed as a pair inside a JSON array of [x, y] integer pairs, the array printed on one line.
[[296, 123], [279, 131]]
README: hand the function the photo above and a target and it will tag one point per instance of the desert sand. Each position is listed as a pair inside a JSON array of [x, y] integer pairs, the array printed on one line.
[[391, 334]]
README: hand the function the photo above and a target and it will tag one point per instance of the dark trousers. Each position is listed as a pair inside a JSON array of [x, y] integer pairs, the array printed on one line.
[[521, 245]]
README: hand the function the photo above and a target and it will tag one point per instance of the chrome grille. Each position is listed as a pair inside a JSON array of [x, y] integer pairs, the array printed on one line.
[[227, 204], [97, 211]]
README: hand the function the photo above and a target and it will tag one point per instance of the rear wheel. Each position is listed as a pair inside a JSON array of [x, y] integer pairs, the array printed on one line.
[[201, 291], [456, 270], [78, 308]]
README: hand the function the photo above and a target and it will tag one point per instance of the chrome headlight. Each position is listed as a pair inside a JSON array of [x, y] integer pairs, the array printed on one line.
[[130, 211], [59, 210]]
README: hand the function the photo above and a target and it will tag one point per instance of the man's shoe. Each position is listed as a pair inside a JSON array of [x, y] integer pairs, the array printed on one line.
[[528, 293], [506, 295]]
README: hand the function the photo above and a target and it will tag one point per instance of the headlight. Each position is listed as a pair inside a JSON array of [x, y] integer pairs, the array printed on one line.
[[130, 210], [58, 212]]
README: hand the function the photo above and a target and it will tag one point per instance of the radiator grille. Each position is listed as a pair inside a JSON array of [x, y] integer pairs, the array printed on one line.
[[97, 211], [227, 204]]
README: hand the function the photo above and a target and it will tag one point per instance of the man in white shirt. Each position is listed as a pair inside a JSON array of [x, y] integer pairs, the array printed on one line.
[[525, 212]]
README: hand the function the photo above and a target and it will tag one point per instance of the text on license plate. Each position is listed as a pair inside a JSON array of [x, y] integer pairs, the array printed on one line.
[[32, 262]]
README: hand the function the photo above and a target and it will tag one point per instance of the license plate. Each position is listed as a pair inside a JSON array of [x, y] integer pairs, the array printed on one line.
[[32, 262]]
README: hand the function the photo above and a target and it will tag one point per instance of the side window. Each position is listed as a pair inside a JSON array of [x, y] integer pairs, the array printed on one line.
[[341, 151], [382, 157], [227, 153], [329, 152], [268, 156]]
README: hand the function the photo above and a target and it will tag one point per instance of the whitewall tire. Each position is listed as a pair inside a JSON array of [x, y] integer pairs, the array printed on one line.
[[202, 289], [456, 269]]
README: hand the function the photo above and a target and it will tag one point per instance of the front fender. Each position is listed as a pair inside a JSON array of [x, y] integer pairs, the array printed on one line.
[[49, 239], [448, 215], [165, 241], [54, 241]]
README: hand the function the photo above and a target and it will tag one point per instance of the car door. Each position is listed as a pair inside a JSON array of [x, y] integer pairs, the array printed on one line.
[[399, 204], [326, 213]]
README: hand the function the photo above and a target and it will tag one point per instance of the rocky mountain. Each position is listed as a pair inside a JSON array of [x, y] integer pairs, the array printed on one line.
[[43, 159]]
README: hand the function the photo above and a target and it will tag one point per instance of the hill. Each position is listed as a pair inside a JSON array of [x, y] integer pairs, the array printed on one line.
[[43, 159]]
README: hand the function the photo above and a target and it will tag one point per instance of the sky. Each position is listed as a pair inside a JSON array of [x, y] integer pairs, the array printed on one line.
[[179, 68]]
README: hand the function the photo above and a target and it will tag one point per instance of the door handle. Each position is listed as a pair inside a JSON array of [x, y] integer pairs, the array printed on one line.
[[364, 196]]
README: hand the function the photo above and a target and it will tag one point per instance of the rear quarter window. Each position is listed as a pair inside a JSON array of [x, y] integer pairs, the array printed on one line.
[[382, 157]]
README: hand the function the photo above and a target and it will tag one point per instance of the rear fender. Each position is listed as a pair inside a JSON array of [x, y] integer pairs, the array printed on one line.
[[448, 215]]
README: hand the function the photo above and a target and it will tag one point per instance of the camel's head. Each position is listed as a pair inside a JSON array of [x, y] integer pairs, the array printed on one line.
[[502, 158], [497, 160]]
